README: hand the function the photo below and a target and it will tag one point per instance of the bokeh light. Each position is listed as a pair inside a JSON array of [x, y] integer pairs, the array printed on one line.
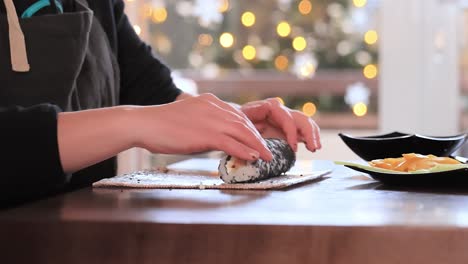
[[205, 39], [305, 7], [159, 15], [370, 71], [224, 7], [360, 109], [309, 109], [147, 11], [249, 52], [359, 3], [363, 57], [307, 70], [299, 43], [371, 37], [281, 62], [248, 19], [163, 43], [283, 29], [226, 40], [137, 29]]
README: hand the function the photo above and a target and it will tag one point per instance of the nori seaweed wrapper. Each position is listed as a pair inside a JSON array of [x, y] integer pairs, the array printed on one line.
[[283, 159]]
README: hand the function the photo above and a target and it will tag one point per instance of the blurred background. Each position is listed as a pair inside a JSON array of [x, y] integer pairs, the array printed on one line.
[[361, 67]]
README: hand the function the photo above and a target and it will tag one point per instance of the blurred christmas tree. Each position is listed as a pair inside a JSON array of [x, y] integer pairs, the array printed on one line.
[[286, 35]]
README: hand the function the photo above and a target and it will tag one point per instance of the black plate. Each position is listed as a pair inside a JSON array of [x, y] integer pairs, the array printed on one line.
[[443, 178], [393, 145]]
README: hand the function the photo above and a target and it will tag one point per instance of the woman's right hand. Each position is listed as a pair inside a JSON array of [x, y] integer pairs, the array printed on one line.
[[197, 124], [191, 125]]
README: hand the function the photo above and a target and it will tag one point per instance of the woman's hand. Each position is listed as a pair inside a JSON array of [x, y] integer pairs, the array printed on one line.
[[198, 124], [191, 125], [272, 119]]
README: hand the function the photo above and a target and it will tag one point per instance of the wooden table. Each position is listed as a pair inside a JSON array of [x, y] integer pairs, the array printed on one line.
[[346, 218]]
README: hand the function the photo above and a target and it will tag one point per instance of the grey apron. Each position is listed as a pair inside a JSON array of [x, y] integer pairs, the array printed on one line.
[[63, 59]]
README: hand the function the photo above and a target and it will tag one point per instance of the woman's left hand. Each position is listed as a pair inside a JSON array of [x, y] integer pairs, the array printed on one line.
[[272, 119]]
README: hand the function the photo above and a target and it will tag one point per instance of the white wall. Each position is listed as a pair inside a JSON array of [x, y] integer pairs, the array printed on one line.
[[419, 83]]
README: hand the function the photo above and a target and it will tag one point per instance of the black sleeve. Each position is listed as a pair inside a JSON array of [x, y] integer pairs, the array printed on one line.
[[30, 157], [145, 80]]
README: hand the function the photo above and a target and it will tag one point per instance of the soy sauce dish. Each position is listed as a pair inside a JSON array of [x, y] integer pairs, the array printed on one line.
[[397, 143]]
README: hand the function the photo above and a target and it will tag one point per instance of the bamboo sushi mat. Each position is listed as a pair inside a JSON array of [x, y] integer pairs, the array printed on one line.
[[185, 179]]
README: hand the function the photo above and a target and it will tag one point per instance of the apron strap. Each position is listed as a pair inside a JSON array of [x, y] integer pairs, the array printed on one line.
[[18, 53]]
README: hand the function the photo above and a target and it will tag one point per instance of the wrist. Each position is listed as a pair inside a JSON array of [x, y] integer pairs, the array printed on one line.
[[137, 124], [183, 96], [128, 120]]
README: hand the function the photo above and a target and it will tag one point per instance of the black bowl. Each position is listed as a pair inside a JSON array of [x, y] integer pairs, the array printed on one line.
[[393, 145]]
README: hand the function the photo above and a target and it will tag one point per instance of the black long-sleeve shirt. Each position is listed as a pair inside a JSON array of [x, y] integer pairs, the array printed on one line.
[[30, 164]]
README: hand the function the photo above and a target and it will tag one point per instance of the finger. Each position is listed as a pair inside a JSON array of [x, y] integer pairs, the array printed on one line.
[[273, 132], [243, 134], [235, 148], [244, 130], [308, 130], [305, 129], [264, 111], [316, 131], [238, 126], [261, 127], [283, 119], [308, 138], [231, 108], [256, 111], [229, 111]]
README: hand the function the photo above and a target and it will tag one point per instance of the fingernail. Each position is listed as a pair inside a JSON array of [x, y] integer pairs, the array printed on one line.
[[294, 147]]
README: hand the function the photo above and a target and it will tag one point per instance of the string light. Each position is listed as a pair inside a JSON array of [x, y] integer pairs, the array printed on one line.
[[293, 37], [370, 71], [281, 62], [299, 43], [163, 44], [283, 29], [363, 57], [249, 52], [159, 15], [305, 7], [307, 70], [360, 109], [309, 109], [248, 19], [226, 40], [371, 37], [147, 11], [224, 7], [359, 3], [205, 39]]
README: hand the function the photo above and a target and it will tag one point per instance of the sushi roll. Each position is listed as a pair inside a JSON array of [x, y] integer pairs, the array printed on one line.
[[234, 170]]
